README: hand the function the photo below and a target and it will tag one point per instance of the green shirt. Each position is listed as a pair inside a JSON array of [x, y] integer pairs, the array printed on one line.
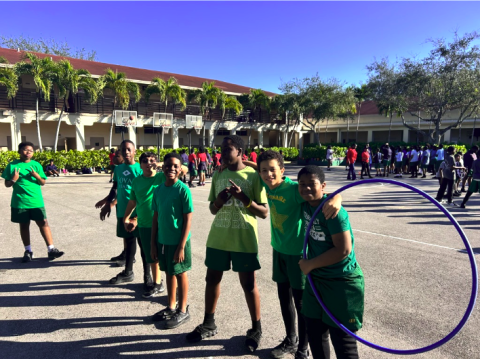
[[142, 193], [171, 203], [234, 228], [124, 175], [286, 217], [27, 192], [320, 241]]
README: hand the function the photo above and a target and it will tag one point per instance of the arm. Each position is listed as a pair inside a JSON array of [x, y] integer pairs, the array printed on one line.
[[179, 255], [332, 207], [130, 223], [342, 247], [257, 209], [153, 239], [107, 208], [251, 164], [15, 177], [221, 199]]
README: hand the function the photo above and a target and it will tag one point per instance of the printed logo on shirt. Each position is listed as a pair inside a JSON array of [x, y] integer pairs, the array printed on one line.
[[126, 173], [232, 213], [277, 198], [316, 231], [277, 218]]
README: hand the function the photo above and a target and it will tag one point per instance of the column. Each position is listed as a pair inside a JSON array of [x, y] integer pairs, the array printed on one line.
[[80, 135], [446, 136], [132, 136], [211, 137], [405, 134], [369, 135], [300, 144], [174, 136], [16, 134], [233, 132], [260, 139]]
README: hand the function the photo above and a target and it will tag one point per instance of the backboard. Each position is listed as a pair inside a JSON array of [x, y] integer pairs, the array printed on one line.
[[122, 118], [164, 120]]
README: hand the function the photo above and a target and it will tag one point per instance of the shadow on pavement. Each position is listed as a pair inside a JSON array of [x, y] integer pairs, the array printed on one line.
[[172, 346], [16, 263], [476, 250]]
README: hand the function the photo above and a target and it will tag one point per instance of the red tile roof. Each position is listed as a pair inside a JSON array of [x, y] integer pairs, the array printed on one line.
[[368, 108], [98, 68]]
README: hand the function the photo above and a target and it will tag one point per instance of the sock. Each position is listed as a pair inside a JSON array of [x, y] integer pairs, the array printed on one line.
[[50, 247], [257, 325], [209, 320], [28, 248]]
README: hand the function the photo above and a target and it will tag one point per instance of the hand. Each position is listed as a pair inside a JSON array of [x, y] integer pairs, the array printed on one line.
[[236, 192], [222, 198], [179, 255], [33, 173], [331, 208], [16, 175], [105, 212], [130, 224], [305, 266], [101, 203], [154, 251]]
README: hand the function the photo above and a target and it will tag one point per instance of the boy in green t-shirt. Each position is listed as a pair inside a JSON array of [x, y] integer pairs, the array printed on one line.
[[123, 177], [172, 207], [334, 269], [26, 176], [287, 233], [236, 199]]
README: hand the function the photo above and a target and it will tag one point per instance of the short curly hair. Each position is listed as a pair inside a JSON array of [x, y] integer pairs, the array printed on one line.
[[312, 170], [237, 142], [270, 155]]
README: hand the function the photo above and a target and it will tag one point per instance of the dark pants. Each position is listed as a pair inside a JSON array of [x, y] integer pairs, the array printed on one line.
[[448, 185], [351, 171], [365, 169], [345, 346]]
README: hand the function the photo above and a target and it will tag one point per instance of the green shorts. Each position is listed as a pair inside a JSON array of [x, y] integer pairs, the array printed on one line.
[[377, 166], [398, 164], [287, 270], [404, 162], [469, 173], [424, 166], [146, 240], [25, 215], [122, 233], [220, 260], [413, 164], [386, 163], [474, 187], [166, 254], [344, 298], [112, 167]]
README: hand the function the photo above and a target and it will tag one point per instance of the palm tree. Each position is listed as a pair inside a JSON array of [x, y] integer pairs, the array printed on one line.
[[68, 80], [362, 94], [122, 89], [206, 97], [224, 103], [167, 90], [42, 72], [8, 78], [258, 99]]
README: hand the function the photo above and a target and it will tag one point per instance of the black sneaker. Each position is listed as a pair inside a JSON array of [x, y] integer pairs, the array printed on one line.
[[152, 291], [120, 257], [27, 257], [55, 253], [200, 333], [178, 319], [284, 348], [463, 189], [253, 339], [122, 277], [302, 354], [164, 314]]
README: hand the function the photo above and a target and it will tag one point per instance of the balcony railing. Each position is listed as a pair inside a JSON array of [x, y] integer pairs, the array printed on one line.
[[25, 100]]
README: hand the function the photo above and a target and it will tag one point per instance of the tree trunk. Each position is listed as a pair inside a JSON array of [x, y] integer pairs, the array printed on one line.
[[249, 137], [460, 134], [436, 135], [348, 129], [326, 130], [473, 131], [390, 128], [358, 124], [59, 122], [38, 124], [316, 138]]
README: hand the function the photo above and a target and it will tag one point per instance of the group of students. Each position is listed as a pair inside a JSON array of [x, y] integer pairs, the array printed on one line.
[[155, 209]]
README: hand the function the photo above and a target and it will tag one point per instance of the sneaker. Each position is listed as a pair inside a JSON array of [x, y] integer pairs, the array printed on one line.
[[55, 253], [27, 257], [253, 339], [191, 185], [122, 277], [147, 282], [284, 348], [449, 204], [302, 354], [463, 190], [154, 290], [164, 314], [457, 194], [178, 319], [200, 333], [120, 257]]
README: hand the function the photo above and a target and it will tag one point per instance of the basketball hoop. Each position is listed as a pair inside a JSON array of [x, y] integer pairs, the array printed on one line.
[[197, 129], [127, 122], [165, 128], [125, 118]]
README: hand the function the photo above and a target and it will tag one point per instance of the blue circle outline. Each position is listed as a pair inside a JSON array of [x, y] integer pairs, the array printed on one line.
[[471, 256]]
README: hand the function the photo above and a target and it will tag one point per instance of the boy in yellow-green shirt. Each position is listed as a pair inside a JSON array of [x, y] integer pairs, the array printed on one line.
[[236, 198], [26, 177]]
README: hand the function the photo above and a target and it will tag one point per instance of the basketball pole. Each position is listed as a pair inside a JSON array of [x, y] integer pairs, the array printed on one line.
[[162, 137], [158, 143]]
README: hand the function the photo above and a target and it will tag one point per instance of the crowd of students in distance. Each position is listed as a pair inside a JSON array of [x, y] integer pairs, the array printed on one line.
[[453, 170], [155, 210]]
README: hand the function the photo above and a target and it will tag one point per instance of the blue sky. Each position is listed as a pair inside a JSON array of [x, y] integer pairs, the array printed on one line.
[[250, 43]]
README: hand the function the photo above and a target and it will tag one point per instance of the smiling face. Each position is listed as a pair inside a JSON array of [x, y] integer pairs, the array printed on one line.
[[172, 168], [230, 155], [271, 173], [26, 153], [128, 152], [310, 187], [148, 165]]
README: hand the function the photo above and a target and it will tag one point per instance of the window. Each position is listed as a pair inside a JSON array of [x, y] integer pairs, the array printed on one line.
[[223, 133], [242, 133]]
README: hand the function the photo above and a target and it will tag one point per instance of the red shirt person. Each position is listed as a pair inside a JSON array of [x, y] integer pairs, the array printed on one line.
[[253, 156], [351, 158]]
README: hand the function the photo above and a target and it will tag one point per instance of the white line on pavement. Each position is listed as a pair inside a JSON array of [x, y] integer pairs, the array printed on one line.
[[411, 240]]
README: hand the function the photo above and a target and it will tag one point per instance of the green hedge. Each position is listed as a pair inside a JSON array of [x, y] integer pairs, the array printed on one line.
[[73, 159], [320, 153]]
